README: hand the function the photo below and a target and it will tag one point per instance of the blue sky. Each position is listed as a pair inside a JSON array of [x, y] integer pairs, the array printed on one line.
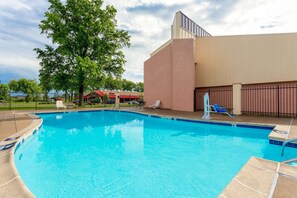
[[148, 22]]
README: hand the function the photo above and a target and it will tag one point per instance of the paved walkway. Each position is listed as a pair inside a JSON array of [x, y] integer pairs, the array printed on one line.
[[11, 123]]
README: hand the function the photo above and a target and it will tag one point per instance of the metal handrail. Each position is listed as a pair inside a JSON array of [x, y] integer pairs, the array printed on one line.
[[285, 143], [290, 160]]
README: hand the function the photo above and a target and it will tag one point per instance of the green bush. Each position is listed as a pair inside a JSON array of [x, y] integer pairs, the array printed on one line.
[[96, 100], [19, 100]]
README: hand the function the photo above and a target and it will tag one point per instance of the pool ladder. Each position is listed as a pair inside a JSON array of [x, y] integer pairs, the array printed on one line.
[[285, 143]]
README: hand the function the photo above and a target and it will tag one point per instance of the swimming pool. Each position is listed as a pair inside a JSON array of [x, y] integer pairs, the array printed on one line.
[[121, 154]]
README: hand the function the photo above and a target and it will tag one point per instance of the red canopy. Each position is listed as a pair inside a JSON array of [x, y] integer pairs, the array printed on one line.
[[112, 95], [100, 93], [129, 96]]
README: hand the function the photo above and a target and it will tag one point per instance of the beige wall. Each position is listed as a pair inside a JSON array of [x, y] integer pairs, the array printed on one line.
[[246, 59], [177, 32], [169, 76]]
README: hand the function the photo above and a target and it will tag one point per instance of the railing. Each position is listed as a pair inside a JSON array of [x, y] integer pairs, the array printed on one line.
[[217, 95], [285, 143], [192, 27], [17, 101], [273, 100], [22, 101]]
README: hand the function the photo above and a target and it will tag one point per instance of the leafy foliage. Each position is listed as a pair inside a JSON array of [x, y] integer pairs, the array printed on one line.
[[28, 87], [105, 98], [112, 83], [128, 85], [139, 87], [87, 45], [4, 89]]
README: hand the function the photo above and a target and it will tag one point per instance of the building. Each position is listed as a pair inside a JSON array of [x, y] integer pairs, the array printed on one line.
[[125, 96], [252, 74]]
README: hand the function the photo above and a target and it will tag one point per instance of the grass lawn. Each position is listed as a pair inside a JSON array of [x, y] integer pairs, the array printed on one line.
[[33, 105]]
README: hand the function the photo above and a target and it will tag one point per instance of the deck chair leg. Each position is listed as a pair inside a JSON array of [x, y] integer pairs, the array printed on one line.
[[229, 115]]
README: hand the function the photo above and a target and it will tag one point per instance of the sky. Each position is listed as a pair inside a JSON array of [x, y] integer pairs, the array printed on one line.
[[147, 21]]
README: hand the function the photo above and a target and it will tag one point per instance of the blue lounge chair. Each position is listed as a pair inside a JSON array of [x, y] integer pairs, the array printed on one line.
[[220, 109]]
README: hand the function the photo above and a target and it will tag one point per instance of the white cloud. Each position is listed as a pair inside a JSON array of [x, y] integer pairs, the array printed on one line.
[[15, 5], [148, 22]]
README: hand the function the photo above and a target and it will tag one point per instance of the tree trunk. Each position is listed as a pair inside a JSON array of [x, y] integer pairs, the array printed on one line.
[[71, 96], [81, 95], [46, 95], [66, 95]]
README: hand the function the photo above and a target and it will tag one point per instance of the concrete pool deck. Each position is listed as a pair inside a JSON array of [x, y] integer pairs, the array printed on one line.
[[18, 126], [258, 177]]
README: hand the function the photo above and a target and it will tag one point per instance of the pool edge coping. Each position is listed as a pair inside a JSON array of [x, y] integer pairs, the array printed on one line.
[[198, 120], [13, 185]]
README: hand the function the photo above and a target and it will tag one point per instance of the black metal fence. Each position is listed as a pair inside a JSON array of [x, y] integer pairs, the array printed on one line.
[[271, 99], [21, 101]]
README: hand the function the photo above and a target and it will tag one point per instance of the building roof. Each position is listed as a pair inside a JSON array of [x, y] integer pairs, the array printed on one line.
[[111, 94]]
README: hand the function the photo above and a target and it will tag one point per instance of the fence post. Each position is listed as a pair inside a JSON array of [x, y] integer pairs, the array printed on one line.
[[237, 98], [9, 104], [278, 100], [35, 101], [194, 100]]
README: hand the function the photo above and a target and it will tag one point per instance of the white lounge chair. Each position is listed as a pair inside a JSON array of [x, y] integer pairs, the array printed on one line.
[[156, 105], [59, 104]]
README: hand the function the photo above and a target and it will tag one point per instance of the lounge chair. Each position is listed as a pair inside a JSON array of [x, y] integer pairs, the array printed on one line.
[[59, 104], [156, 105], [219, 109]]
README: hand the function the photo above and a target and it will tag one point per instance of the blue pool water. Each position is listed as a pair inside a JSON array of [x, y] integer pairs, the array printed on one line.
[[120, 154]]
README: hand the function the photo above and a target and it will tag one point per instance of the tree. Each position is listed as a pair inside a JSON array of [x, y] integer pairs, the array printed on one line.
[[112, 83], [128, 85], [13, 85], [139, 87], [50, 62], [54, 72], [4, 91], [29, 87], [87, 40], [105, 99]]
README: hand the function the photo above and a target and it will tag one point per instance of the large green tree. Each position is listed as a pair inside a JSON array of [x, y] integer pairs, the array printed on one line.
[[139, 87], [55, 72], [4, 91], [29, 87], [48, 67], [128, 85], [111, 83], [86, 38]]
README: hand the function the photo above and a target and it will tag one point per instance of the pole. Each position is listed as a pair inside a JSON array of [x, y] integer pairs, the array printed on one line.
[[35, 101], [15, 124]]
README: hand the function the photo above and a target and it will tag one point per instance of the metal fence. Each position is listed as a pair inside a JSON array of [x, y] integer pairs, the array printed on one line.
[[271, 99], [18, 101], [217, 95]]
